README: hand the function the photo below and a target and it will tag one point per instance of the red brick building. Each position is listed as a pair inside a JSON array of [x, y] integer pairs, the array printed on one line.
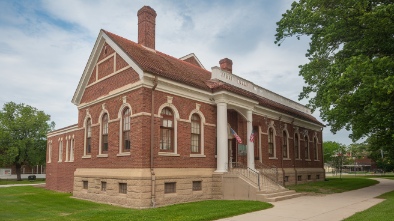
[[154, 130]]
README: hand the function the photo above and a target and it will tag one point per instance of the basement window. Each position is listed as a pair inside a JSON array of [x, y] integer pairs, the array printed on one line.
[[197, 185], [286, 178], [309, 177], [318, 177], [299, 178], [85, 184], [103, 186], [123, 188], [170, 187]]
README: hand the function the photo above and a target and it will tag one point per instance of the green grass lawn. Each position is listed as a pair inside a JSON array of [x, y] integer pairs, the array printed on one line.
[[381, 211], [32, 203], [25, 181], [335, 185]]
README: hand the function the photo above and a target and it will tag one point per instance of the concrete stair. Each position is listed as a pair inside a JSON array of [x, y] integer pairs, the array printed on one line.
[[277, 196]]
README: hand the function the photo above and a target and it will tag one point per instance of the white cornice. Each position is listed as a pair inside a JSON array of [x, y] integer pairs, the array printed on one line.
[[62, 131], [179, 89]]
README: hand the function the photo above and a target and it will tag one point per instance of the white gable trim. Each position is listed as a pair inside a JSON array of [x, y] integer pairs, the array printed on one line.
[[101, 39], [195, 57]]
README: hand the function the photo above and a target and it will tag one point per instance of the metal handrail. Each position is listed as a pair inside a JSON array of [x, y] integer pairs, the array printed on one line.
[[246, 172], [269, 172]]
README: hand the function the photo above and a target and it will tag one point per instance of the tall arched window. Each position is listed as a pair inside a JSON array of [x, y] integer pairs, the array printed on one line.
[[284, 146], [195, 134], [126, 130], [296, 147], [315, 148], [271, 147], [49, 151], [104, 136], [306, 141], [60, 150], [88, 136], [167, 130], [72, 150]]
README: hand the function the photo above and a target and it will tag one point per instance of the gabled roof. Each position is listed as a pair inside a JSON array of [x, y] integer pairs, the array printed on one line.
[[143, 59], [156, 62]]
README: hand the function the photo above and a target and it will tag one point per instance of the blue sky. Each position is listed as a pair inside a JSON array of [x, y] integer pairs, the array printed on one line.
[[45, 45]]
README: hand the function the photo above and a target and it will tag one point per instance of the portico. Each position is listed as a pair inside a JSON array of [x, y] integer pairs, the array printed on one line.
[[226, 101]]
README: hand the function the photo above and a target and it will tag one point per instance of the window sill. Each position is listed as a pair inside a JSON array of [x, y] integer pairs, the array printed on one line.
[[102, 155], [123, 154], [316, 160], [59, 161], [168, 154], [286, 159], [273, 158], [86, 157], [299, 159], [197, 155], [307, 159]]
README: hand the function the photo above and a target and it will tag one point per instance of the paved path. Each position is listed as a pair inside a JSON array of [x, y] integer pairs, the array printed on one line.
[[11, 185], [330, 207]]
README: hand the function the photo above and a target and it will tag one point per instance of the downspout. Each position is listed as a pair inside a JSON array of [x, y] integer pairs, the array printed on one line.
[[152, 171]]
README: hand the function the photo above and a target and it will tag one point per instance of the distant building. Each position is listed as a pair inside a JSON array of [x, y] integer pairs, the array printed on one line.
[[155, 130]]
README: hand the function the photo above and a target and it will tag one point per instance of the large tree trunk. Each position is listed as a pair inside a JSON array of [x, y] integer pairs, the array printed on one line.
[[18, 171]]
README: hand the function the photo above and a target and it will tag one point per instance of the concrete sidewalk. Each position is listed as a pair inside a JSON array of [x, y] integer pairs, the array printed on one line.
[[12, 185], [322, 207]]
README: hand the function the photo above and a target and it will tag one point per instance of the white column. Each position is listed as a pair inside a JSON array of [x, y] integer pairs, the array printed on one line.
[[250, 146], [222, 138]]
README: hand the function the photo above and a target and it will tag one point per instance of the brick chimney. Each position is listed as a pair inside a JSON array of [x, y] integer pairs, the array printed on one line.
[[226, 64], [146, 26]]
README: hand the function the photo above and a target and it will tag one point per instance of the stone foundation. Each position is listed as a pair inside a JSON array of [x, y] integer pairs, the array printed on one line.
[[138, 181]]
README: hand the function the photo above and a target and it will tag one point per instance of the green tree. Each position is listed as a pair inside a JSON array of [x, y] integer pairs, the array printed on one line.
[[23, 132], [350, 74], [330, 151]]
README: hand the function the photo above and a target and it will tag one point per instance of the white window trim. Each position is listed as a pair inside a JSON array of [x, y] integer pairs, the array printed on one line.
[[60, 150], [72, 149], [176, 119], [67, 140], [85, 155], [316, 148], [50, 151], [120, 117], [101, 133], [309, 148], [287, 145], [299, 154], [274, 140], [202, 123]]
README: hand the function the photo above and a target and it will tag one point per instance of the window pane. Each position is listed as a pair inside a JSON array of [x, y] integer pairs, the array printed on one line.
[[195, 139]]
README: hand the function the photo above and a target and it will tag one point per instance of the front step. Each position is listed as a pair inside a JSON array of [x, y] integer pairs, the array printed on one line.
[[277, 196]]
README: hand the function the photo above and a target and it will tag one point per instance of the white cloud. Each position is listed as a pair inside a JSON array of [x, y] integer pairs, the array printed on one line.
[[45, 45]]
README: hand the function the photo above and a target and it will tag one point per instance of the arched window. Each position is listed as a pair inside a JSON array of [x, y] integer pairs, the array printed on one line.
[[315, 148], [271, 145], [72, 150], [104, 134], [88, 136], [306, 141], [60, 150], [126, 143], [284, 146], [296, 147], [167, 130], [195, 134], [49, 151]]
